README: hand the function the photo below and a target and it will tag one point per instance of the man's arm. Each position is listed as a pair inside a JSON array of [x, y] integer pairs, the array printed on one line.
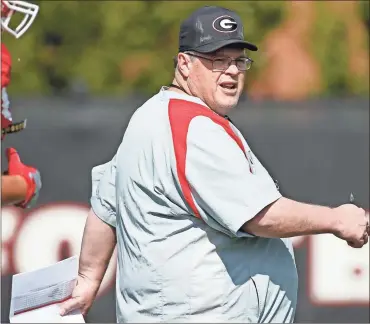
[[98, 242], [230, 197], [99, 239], [288, 218], [13, 189], [103, 191]]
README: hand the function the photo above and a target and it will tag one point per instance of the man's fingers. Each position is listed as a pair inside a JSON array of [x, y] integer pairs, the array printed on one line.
[[355, 245], [13, 156], [350, 244], [69, 305]]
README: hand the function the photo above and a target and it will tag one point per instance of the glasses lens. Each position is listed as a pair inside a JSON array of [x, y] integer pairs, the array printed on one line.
[[220, 64], [241, 64], [244, 64], [223, 64]]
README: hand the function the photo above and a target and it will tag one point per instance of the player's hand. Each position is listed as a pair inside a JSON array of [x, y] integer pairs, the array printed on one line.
[[82, 297], [352, 225], [30, 174]]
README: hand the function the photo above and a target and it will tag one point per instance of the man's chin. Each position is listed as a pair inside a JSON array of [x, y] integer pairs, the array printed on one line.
[[226, 105]]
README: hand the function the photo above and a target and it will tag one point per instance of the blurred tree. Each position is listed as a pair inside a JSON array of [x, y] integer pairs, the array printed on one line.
[[290, 71], [118, 47], [363, 10], [339, 41]]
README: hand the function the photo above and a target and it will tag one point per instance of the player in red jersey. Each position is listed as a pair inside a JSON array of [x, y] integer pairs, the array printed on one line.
[[20, 184]]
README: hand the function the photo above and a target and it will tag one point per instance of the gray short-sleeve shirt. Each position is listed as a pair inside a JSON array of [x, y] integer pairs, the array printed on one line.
[[181, 185]]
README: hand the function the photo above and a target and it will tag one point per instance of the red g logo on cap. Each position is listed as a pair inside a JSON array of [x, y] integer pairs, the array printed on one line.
[[225, 24]]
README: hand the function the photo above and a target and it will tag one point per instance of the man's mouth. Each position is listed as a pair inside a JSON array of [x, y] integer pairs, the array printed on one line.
[[229, 85]]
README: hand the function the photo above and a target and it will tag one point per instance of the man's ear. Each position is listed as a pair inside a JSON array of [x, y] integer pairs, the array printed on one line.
[[183, 64]]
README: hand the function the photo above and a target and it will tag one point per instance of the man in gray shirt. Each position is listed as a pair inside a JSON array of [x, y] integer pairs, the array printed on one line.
[[203, 234]]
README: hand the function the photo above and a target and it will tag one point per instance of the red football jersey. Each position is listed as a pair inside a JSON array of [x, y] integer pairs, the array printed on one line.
[[6, 65]]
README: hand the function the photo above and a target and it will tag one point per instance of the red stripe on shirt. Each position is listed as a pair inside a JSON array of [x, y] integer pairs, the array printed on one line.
[[181, 113]]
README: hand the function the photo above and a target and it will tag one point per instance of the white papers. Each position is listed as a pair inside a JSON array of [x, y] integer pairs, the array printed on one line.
[[36, 295]]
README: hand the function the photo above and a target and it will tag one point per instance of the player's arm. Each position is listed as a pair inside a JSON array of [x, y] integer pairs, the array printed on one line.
[[233, 200], [13, 189], [22, 184]]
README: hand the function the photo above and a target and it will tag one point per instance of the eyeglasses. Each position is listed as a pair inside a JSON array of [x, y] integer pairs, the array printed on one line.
[[222, 64]]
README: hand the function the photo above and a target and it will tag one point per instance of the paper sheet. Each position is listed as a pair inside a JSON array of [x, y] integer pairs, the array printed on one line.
[[36, 295]]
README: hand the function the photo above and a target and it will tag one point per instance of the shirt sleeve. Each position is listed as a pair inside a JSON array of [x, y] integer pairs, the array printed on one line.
[[224, 190], [103, 197]]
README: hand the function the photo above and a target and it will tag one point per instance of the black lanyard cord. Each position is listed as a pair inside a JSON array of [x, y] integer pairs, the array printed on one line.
[[178, 87]]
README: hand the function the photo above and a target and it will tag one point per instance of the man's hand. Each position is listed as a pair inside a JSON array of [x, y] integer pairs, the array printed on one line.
[[352, 225], [98, 243], [83, 296], [30, 175]]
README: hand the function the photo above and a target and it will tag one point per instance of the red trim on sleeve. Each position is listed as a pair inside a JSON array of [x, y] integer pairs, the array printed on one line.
[[181, 112]]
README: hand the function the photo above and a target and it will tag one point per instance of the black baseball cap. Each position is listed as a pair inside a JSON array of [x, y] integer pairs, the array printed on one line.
[[211, 28]]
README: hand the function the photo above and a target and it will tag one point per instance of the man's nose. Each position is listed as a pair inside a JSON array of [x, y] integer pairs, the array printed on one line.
[[232, 69]]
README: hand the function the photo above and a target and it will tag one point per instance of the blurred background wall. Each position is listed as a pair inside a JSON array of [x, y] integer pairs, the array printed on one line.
[[85, 66]]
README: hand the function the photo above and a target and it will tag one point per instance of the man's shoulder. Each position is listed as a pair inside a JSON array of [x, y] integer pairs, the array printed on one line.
[[185, 109], [152, 104], [189, 117], [149, 117], [147, 110], [186, 115], [178, 110]]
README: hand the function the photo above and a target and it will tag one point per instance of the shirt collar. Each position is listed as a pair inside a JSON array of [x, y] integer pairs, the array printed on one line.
[[168, 94]]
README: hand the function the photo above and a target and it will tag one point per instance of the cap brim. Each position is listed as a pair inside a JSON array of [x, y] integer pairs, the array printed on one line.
[[214, 46]]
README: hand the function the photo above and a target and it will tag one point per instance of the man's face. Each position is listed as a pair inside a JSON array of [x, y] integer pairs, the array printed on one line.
[[220, 90]]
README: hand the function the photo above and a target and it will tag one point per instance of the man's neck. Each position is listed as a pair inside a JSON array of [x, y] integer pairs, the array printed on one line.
[[179, 88]]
